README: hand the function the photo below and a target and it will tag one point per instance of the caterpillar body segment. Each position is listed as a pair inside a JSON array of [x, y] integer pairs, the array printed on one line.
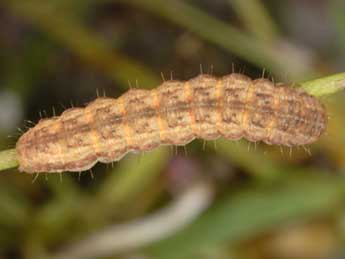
[[175, 113]]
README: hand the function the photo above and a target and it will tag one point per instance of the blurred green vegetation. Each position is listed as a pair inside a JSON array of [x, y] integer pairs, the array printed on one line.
[[267, 203]]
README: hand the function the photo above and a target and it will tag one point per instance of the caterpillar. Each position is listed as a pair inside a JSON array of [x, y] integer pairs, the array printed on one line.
[[175, 113]]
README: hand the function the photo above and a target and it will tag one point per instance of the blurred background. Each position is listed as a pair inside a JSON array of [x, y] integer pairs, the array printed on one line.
[[217, 199]]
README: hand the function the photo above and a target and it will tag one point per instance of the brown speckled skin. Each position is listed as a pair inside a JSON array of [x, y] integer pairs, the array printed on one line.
[[175, 113]]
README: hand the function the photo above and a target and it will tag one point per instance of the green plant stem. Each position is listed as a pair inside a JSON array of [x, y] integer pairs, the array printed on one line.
[[326, 85], [8, 159], [319, 87]]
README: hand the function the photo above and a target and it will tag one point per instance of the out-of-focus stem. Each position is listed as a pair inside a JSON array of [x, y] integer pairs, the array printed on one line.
[[83, 42], [256, 19], [141, 232], [281, 58]]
